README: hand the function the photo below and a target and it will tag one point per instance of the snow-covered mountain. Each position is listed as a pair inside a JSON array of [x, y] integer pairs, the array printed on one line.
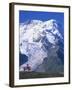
[[39, 40]]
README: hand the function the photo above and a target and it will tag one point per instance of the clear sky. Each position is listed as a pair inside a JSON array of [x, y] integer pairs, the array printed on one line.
[[38, 15]]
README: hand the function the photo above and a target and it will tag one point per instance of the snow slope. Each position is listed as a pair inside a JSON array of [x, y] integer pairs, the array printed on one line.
[[33, 38]]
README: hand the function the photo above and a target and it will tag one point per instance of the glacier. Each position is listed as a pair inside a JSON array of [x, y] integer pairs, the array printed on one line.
[[37, 39]]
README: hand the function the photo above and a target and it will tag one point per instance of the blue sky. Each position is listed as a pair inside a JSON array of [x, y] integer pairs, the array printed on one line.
[[38, 15]]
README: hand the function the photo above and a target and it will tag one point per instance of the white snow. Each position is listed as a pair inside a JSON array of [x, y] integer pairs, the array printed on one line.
[[31, 35]]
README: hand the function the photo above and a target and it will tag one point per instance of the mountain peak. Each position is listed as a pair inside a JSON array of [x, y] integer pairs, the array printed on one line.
[[34, 36]]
